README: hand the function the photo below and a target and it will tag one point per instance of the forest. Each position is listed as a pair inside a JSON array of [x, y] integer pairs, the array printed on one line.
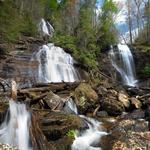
[[75, 74]]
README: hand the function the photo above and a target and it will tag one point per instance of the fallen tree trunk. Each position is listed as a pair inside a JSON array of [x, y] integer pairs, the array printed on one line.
[[39, 141], [144, 96]]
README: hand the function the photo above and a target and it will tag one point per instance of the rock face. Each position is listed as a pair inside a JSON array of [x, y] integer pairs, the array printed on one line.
[[85, 97]]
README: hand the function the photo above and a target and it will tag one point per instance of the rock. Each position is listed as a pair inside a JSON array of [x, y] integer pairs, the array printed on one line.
[[136, 114], [122, 97], [133, 141], [127, 134], [113, 107], [55, 125], [102, 91], [119, 145], [101, 114], [135, 102], [85, 97], [54, 101]]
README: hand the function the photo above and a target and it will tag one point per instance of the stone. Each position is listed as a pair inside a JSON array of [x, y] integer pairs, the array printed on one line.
[[85, 97], [135, 102], [123, 98], [101, 114], [113, 107], [54, 101]]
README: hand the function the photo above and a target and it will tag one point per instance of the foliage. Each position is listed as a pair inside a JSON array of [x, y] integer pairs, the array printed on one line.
[[77, 26], [107, 31], [71, 133], [146, 70]]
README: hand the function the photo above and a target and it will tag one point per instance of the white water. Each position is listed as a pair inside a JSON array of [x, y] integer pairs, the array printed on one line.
[[123, 62], [15, 129], [55, 65], [88, 139], [45, 28], [72, 106]]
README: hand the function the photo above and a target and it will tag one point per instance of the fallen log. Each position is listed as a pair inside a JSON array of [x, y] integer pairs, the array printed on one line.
[[40, 89], [37, 99], [39, 141], [144, 96]]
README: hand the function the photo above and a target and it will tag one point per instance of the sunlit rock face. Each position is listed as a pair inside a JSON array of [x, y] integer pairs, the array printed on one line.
[[122, 60]]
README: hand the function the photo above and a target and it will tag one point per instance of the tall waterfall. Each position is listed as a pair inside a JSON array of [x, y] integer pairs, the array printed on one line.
[[15, 129], [55, 65], [122, 60]]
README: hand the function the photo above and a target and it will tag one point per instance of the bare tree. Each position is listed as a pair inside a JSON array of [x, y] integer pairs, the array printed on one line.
[[129, 19]]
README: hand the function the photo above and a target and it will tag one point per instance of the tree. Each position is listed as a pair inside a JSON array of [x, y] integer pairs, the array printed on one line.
[[107, 32]]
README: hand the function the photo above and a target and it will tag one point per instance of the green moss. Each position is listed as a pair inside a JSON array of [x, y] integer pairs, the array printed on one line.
[[71, 133]]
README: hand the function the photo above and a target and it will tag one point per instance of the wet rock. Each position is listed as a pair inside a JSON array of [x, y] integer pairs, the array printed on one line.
[[113, 107], [85, 97], [136, 103], [122, 97]]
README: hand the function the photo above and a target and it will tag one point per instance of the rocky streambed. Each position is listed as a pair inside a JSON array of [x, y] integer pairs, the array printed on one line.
[[125, 115]]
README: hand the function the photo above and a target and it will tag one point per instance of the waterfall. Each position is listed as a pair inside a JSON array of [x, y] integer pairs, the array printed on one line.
[[45, 28], [122, 60], [90, 138], [55, 65], [15, 129]]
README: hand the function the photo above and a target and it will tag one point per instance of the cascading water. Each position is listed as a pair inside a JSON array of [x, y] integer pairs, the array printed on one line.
[[15, 129], [55, 65], [90, 138], [122, 60], [45, 28]]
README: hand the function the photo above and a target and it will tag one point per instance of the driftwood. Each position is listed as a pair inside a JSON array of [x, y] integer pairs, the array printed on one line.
[[95, 111], [13, 90], [37, 99]]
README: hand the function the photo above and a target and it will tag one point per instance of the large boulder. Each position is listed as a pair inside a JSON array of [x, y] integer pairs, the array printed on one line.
[[112, 106], [58, 127], [122, 97], [85, 97]]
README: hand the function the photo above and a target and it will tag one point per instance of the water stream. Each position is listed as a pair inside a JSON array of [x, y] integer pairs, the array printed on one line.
[[122, 60], [88, 139], [14, 131]]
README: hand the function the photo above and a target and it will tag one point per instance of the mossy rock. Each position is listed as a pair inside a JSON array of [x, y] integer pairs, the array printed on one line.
[[113, 107], [85, 97]]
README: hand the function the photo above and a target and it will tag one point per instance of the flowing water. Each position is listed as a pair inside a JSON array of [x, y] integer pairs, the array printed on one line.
[[45, 28], [90, 138], [15, 129], [122, 60], [55, 65]]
